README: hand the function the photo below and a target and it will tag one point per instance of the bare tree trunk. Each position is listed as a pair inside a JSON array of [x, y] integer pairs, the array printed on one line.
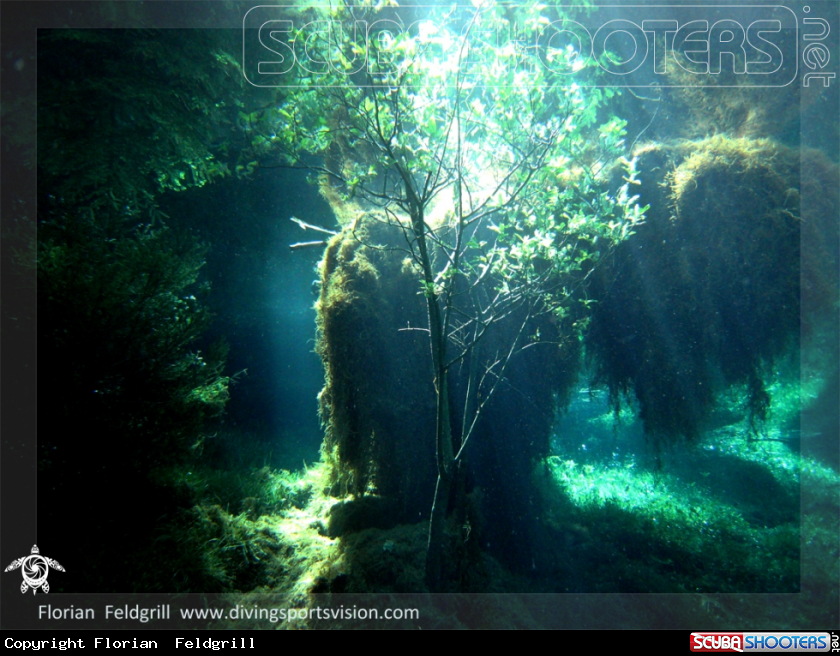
[[434, 548], [443, 428]]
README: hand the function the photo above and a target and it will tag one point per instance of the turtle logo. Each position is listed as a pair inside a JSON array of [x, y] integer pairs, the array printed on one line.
[[35, 568]]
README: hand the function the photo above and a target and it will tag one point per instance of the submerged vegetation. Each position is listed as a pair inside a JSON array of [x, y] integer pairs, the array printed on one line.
[[122, 307], [719, 283], [120, 314], [557, 357]]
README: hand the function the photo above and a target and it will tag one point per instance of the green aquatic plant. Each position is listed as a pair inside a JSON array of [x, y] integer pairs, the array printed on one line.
[[725, 514], [119, 308], [123, 312], [665, 532]]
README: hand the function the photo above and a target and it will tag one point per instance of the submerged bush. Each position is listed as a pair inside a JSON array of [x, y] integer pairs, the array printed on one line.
[[120, 318], [377, 403]]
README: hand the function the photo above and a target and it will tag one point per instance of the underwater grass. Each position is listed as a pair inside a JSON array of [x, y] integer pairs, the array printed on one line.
[[722, 515], [686, 537], [259, 532]]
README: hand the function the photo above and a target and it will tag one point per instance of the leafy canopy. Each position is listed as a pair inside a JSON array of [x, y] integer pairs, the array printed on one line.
[[484, 138]]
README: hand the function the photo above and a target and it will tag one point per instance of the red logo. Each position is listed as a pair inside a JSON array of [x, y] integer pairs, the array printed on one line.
[[717, 642]]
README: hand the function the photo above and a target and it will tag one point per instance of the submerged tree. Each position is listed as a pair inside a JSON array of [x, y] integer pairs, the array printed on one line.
[[498, 191]]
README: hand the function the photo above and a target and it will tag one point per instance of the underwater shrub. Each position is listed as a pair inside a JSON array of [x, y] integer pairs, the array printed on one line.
[[120, 316], [121, 305], [717, 284], [378, 400]]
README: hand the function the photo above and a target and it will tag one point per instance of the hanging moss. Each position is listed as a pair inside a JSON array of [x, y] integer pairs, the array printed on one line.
[[378, 401], [707, 294]]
